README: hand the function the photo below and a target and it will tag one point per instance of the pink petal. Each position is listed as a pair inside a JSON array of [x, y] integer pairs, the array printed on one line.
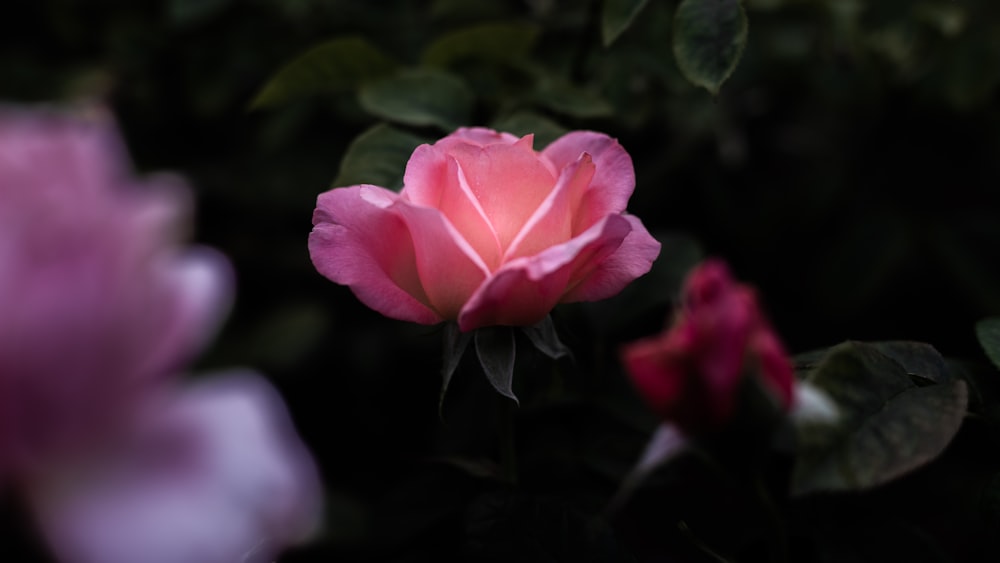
[[84, 147], [449, 268], [524, 290], [552, 222], [434, 179], [600, 279], [215, 474], [657, 367], [359, 242], [480, 136], [613, 182], [724, 328], [510, 182]]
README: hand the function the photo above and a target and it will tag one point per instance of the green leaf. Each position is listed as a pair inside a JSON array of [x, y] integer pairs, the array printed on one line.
[[920, 360], [455, 343], [617, 16], [495, 348], [338, 65], [709, 37], [419, 97], [887, 425], [561, 95], [988, 333], [524, 122], [545, 338], [378, 156], [495, 42]]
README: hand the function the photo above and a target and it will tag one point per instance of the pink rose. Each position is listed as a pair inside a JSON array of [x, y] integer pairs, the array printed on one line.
[[100, 306], [690, 374], [487, 231]]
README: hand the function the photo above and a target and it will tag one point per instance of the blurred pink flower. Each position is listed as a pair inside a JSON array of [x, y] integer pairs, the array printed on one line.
[[690, 374], [101, 306], [487, 231]]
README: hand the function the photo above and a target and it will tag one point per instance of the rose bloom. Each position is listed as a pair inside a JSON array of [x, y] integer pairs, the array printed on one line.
[[117, 461], [691, 374], [487, 231]]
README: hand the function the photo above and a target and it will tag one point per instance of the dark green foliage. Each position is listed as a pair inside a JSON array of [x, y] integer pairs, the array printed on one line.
[[419, 97], [709, 38], [617, 16], [378, 156], [886, 424], [338, 65]]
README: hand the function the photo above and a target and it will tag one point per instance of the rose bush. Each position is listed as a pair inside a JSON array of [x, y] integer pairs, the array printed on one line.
[[691, 374], [487, 231]]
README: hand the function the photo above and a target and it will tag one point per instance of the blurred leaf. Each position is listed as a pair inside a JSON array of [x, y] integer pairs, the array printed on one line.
[[338, 65], [560, 95], [887, 425], [378, 156], [709, 37], [464, 10], [617, 16], [495, 348], [188, 12], [525, 122], [988, 332], [949, 19], [419, 97], [497, 42]]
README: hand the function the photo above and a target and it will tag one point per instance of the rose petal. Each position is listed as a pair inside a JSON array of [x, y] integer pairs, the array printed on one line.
[[358, 242], [449, 268], [215, 475], [84, 147], [613, 181], [660, 367], [524, 290], [481, 136], [656, 367], [552, 222], [510, 182], [598, 280], [201, 281], [724, 327], [434, 179]]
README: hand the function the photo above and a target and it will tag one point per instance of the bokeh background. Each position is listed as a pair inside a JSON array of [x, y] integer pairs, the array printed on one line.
[[848, 169]]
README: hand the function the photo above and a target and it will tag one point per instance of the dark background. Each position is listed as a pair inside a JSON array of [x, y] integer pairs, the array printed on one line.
[[849, 170]]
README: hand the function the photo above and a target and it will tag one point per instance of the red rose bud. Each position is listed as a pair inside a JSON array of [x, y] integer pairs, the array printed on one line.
[[691, 374]]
